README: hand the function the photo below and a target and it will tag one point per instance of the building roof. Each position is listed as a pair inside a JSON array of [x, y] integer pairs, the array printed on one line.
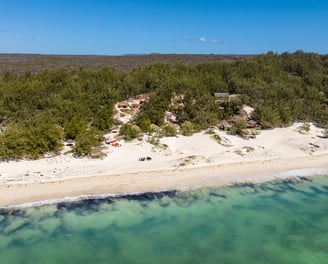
[[225, 124], [221, 94]]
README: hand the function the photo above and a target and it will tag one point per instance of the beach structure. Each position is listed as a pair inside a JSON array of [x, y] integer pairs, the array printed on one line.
[[112, 142], [221, 96], [170, 117], [135, 106], [224, 97], [248, 111], [133, 103], [237, 118], [123, 105], [225, 125], [142, 98], [251, 124]]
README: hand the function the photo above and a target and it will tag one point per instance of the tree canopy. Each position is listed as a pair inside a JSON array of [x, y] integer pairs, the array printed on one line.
[[39, 110]]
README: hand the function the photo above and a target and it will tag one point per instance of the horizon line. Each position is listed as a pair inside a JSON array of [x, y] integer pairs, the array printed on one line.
[[159, 53]]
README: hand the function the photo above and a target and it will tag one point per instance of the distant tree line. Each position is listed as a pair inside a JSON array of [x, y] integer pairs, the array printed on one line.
[[39, 110]]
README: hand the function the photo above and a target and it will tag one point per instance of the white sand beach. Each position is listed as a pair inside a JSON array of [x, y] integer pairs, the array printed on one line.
[[177, 163]]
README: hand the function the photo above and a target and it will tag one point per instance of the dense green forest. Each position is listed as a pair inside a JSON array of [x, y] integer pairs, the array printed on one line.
[[39, 62], [40, 109]]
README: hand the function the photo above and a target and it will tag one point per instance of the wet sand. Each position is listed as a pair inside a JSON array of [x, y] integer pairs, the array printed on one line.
[[160, 180]]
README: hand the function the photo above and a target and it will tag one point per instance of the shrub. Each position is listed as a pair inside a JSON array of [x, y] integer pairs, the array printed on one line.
[[305, 128], [187, 128], [210, 132], [74, 127], [239, 128], [248, 149], [144, 124], [169, 131], [129, 132], [325, 133], [217, 138], [87, 140]]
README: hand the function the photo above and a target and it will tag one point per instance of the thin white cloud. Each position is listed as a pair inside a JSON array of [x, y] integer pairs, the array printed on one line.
[[203, 40], [206, 40], [215, 41]]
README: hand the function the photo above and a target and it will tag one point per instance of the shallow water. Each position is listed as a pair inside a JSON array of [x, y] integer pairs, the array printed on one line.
[[279, 222]]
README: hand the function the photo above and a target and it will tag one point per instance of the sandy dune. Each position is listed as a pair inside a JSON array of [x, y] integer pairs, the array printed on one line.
[[177, 163]]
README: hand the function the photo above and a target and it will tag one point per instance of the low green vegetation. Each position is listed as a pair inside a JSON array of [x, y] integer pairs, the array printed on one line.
[[217, 138], [154, 140], [40, 110], [187, 128], [87, 140], [129, 132], [187, 160], [239, 128], [248, 149], [168, 131], [239, 152], [304, 128], [17, 142], [325, 133], [209, 132]]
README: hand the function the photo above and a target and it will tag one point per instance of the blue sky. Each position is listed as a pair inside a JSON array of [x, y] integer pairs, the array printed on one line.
[[108, 27]]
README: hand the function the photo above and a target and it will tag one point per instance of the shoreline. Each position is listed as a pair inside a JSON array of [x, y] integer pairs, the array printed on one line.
[[17, 195], [178, 163]]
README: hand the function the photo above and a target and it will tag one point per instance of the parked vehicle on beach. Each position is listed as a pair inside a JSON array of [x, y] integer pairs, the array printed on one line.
[[145, 158]]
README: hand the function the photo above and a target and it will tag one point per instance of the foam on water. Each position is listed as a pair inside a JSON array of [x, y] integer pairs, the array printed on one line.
[[275, 222], [303, 173], [309, 172]]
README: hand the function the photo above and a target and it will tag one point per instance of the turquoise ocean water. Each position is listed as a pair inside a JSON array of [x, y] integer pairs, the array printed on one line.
[[277, 222]]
